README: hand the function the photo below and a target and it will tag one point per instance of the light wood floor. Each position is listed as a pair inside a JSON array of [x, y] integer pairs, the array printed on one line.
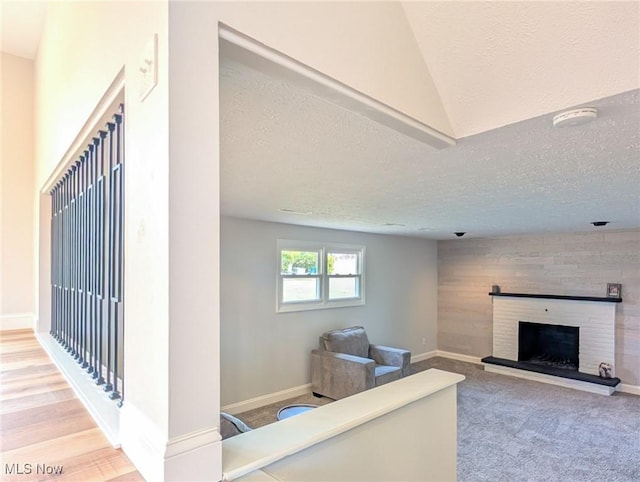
[[43, 424]]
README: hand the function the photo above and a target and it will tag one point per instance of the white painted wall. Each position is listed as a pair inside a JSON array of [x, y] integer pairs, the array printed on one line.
[[85, 46], [171, 266], [17, 299], [263, 352]]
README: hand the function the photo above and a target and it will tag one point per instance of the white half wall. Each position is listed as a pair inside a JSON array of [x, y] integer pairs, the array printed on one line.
[[263, 352]]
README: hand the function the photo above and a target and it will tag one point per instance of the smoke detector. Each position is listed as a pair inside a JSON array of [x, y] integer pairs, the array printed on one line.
[[575, 117]]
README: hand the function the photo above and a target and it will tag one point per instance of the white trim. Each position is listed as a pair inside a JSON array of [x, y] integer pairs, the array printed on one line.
[[446, 354], [457, 356], [103, 112], [261, 401], [322, 300], [423, 394], [550, 379], [157, 458], [17, 321], [191, 441], [424, 356], [248, 51], [104, 411], [143, 442], [626, 388]]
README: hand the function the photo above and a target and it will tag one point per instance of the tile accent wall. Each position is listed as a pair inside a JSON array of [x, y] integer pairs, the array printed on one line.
[[579, 264]]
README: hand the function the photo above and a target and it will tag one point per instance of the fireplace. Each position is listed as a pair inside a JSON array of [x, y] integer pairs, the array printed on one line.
[[549, 345], [555, 339]]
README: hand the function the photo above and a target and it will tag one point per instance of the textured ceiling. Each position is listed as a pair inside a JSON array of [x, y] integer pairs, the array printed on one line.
[[502, 69], [496, 63], [282, 148]]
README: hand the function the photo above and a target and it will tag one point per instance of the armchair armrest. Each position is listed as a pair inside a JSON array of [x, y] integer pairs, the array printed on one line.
[[396, 357], [337, 375]]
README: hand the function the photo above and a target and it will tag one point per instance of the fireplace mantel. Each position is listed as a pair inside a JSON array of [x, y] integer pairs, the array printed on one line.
[[559, 297]]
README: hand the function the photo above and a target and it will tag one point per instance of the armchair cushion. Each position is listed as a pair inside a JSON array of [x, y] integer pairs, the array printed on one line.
[[396, 357], [352, 341], [386, 374]]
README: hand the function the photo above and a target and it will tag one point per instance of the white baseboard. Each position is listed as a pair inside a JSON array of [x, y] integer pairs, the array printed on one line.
[[17, 321], [239, 407], [192, 456], [261, 401], [626, 388], [424, 356], [253, 403], [445, 354], [104, 411], [457, 356]]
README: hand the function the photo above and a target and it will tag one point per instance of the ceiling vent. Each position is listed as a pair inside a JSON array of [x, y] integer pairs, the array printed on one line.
[[575, 117]]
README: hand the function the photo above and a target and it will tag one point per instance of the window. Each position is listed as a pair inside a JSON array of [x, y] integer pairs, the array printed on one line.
[[315, 275]]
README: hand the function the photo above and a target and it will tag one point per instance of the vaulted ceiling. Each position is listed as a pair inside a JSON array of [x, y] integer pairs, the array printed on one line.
[[502, 69]]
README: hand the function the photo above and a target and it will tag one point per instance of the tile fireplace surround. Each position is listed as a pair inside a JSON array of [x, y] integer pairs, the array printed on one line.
[[594, 317]]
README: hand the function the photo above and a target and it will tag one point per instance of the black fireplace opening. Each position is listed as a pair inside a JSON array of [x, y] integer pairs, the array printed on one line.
[[549, 345]]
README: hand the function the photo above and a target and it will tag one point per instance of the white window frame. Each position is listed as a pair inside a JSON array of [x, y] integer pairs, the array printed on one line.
[[323, 301]]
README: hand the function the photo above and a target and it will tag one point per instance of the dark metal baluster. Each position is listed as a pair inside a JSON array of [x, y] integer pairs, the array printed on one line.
[[110, 245], [57, 257], [87, 258], [52, 329], [66, 311], [121, 284], [72, 253], [102, 261], [83, 265], [90, 265], [117, 248], [61, 228], [74, 264], [79, 261]]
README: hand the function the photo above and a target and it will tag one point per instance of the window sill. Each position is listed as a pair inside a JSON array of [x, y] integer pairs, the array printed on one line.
[[293, 307]]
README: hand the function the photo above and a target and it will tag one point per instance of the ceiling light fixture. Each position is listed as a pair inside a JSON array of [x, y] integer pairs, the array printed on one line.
[[575, 117], [600, 223], [459, 234], [394, 224]]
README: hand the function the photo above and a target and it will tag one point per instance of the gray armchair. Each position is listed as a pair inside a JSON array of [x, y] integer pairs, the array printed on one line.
[[345, 363]]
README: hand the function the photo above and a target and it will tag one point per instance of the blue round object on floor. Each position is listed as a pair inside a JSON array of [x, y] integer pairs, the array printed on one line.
[[295, 409]]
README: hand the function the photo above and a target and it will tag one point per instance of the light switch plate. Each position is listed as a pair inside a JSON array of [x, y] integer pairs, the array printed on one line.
[[148, 68]]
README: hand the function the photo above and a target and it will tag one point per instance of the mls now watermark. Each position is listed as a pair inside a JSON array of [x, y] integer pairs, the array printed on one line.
[[28, 469]]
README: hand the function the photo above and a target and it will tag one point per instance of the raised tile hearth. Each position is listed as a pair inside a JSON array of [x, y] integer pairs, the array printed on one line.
[[555, 376]]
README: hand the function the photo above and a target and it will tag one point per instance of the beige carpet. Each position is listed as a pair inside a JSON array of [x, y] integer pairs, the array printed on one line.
[[519, 430]]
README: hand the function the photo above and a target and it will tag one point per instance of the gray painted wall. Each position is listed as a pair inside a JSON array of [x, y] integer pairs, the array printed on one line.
[[565, 264], [264, 352]]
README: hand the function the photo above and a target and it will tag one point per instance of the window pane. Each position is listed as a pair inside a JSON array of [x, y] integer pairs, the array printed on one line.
[[344, 288], [302, 289], [299, 262], [342, 263]]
